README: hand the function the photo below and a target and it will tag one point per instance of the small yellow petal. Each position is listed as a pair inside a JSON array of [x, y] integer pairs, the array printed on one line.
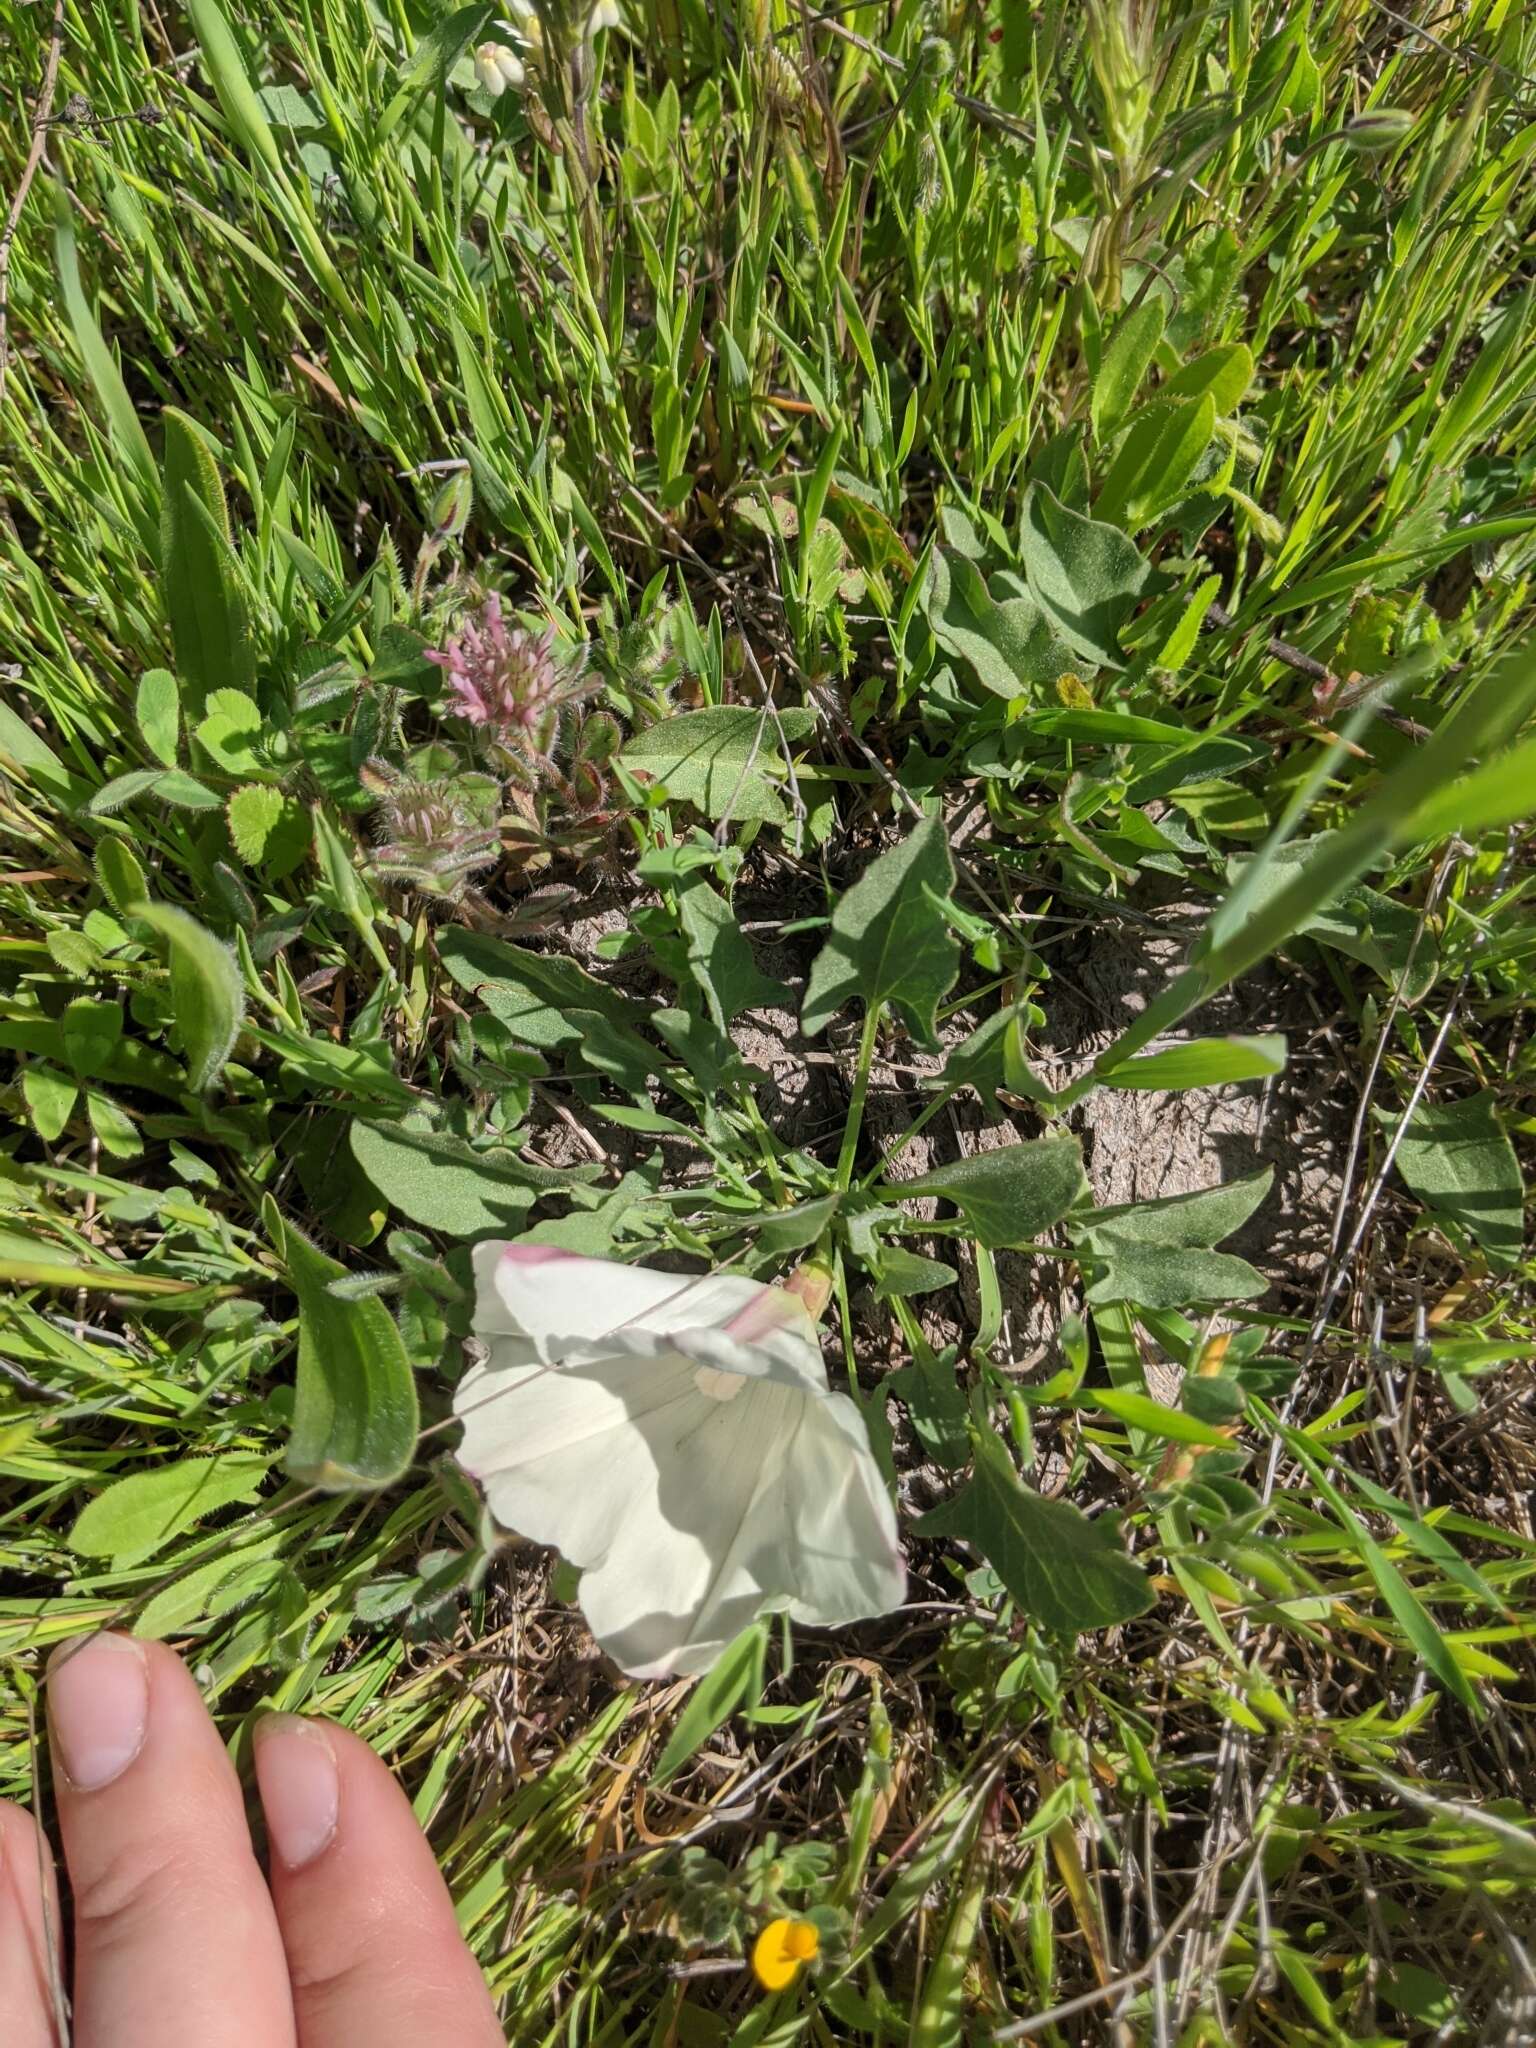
[[781, 1950]]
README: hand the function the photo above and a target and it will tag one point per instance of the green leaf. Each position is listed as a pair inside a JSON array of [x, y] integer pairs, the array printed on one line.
[[27, 756], [1457, 1158], [890, 939], [73, 954], [722, 961], [1203, 1063], [1064, 1571], [123, 422], [112, 1124], [191, 1596], [1168, 1276], [347, 890], [254, 813], [1422, 1635], [175, 786], [1418, 1994], [92, 1033], [123, 881], [442, 1182], [735, 1681], [725, 761], [1007, 646], [1156, 461], [1127, 357], [1142, 1412], [791, 1230], [1222, 374], [203, 597], [1111, 728], [936, 1404], [134, 1517], [50, 1098], [1087, 575], [158, 710], [1180, 643], [290, 108], [1495, 795], [232, 731], [903, 1272], [1012, 1194], [207, 994], [355, 1413], [123, 789], [538, 996], [1158, 1254], [435, 54], [225, 70], [1203, 1218]]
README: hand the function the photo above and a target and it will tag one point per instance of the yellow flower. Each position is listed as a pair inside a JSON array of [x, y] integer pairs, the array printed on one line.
[[782, 1950]]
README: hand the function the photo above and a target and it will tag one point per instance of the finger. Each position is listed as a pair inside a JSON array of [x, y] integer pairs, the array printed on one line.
[[31, 1996], [374, 1951], [176, 1945]]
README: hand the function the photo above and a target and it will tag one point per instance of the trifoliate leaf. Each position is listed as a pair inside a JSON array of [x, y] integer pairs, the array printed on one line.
[[232, 730], [254, 815]]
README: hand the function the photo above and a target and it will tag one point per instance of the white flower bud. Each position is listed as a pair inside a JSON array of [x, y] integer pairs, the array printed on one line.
[[497, 67]]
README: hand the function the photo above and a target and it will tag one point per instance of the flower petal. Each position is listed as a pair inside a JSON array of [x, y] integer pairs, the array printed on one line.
[[698, 1476], [556, 1299], [677, 1589], [559, 1453], [849, 1563]]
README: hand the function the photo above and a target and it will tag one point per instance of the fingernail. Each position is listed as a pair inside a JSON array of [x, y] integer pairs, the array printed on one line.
[[98, 1703], [296, 1775]]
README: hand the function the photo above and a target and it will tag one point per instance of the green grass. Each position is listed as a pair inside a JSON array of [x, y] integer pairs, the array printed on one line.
[[1112, 435]]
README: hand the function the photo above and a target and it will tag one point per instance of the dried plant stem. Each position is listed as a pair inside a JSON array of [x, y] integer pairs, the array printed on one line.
[[40, 119]]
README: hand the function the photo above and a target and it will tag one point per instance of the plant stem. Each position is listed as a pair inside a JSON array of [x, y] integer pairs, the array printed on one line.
[[856, 1103]]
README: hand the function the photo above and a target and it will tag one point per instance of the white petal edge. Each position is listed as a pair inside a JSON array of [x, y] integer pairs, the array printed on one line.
[[557, 1299]]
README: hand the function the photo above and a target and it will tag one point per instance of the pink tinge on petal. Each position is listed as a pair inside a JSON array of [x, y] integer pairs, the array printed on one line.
[[770, 1311], [534, 1254]]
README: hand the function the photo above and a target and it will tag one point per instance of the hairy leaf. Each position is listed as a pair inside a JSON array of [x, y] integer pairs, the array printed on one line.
[[1012, 1194], [1087, 575], [207, 994], [134, 1517], [1457, 1158], [727, 760], [355, 1413], [890, 939], [1065, 1571], [442, 1182]]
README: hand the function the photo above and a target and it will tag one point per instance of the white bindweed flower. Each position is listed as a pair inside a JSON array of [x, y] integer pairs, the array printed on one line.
[[604, 15], [497, 67], [676, 1440]]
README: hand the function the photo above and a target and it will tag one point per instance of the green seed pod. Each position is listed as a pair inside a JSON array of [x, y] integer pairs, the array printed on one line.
[[1381, 128], [451, 507]]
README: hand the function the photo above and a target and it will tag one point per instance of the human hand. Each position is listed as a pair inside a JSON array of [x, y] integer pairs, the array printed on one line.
[[179, 1940]]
